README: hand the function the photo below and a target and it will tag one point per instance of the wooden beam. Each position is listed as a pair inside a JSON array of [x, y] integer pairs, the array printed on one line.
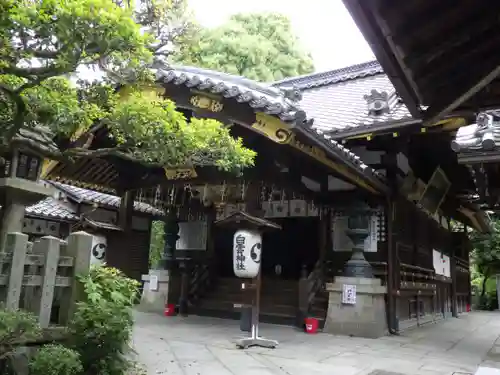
[[452, 36], [363, 13], [439, 110]]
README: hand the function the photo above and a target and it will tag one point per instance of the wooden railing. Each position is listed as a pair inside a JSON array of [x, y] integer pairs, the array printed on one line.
[[201, 280], [309, 286]]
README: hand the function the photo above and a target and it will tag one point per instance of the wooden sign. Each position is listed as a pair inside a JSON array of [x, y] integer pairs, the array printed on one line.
[[153, 283], [192, 235]]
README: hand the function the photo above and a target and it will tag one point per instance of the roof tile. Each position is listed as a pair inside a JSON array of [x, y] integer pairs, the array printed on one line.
[[91, 196], [335, 99], [52, 209], [281, 100]]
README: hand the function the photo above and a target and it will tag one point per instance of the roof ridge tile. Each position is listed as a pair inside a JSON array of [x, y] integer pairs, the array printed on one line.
[[332, 76]]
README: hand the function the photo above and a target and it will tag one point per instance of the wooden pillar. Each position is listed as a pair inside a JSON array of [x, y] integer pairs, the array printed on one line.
[[453, 275], [126, 210], [393, 276], [324, 226]]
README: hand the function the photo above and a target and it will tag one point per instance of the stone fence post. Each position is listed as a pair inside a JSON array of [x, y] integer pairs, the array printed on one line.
[[79, 246], [49, 248], [17, 244]]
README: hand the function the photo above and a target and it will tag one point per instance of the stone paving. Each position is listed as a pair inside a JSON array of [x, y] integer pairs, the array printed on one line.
[[205, 346]]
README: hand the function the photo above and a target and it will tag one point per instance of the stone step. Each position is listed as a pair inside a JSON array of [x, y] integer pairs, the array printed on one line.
[[277, 310], [291, 298]]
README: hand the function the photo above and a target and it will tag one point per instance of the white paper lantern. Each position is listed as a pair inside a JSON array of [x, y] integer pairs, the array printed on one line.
[[247, 251], [99, 247]]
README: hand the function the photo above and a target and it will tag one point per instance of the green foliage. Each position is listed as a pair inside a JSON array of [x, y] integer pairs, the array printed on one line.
[[43, 42], [157, 243], [486, 250], [16, 327], [102, 325], [170, 21], [257, 46], [55, 360], [152, 130], [488, 301]]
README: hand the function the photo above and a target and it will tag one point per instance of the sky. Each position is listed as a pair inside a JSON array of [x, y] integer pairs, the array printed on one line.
[[324, 27]]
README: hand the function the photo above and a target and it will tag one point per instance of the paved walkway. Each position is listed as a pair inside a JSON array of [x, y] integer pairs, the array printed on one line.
[[204, 346]]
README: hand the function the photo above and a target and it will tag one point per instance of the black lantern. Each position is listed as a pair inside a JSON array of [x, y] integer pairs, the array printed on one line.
[[21, 164], [171, 230], [358, 230]]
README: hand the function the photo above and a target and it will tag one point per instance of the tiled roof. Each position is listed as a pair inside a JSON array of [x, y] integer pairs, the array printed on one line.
[[36, 138], [282, 101], [260, 97], [483, 136], [50, 208], [335, 99], [91, 196]]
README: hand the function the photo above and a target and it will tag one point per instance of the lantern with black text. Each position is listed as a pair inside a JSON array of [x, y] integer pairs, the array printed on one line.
[[247, 249], [247, 255]]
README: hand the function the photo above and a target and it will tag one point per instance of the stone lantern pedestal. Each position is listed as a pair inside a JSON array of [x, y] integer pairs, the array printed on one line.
[[366, 317], [356, 302]]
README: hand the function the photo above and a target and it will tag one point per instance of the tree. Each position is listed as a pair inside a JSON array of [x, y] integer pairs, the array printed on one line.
[[43, 42], [157, 243], [486, 253], [258, 46]]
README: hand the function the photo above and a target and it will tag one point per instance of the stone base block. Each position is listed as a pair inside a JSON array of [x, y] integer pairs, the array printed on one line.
[[154, 300], [365, 318]]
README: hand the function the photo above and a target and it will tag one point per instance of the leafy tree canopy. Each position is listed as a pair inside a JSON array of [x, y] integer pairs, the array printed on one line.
[[486, 250], [42, 43], [259, 46]]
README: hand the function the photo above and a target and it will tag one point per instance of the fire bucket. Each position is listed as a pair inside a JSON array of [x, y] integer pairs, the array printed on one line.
[[311, 325], [169, 309]]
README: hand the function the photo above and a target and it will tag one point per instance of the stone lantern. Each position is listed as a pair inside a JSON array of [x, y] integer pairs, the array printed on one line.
[[356, 300], [358, 231], [19, 174], [171, 230]]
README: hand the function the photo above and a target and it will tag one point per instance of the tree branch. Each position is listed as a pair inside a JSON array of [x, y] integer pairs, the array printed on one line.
[[19, 116]]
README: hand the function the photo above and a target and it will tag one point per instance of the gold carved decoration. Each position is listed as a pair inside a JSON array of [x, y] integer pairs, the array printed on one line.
[[180, 173], [151, 91], [48, 166], [280, 132], [273, 128], [204, 102]]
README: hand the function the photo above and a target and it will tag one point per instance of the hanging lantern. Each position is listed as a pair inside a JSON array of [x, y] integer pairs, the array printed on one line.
[[247, 249]]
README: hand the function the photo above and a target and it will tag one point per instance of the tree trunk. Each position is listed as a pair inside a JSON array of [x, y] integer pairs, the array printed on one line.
[[483, 290]]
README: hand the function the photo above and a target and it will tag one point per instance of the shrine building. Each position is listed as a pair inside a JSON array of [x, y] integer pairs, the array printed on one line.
[[363, 192]]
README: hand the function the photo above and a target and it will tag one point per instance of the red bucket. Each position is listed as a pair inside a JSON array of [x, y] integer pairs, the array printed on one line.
[[311, 325], [169, 309], [468, 308]]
